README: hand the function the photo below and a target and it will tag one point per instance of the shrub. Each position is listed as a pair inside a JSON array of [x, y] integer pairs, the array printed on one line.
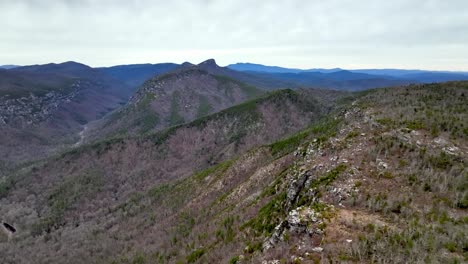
[[442, 161], [451, 246], [195, 255], [330, 176], [268, 216], [5, 187], [414, 124], [159, 191], [234, 260], [463, 202], [287, 145]]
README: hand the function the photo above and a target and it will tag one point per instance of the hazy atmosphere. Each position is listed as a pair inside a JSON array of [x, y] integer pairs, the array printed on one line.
[[304, 34]]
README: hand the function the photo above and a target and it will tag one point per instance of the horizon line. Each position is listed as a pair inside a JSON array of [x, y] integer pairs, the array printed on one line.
[[241, 62]]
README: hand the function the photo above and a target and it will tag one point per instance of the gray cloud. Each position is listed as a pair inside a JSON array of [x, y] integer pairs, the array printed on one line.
[[430, 34]]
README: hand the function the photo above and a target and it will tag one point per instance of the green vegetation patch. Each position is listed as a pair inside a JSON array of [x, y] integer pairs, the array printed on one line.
[[5, 186], [415, 124], [175, 194], [159, 191], [146, 101], [65, 196], [226, 232], [195, 255], [328, 178], [268, 216], [175, 118], [185, 224], [234, 260], [442, 161], [323, 130], [248, 90], [288, 145], [147, 121], [218, 169], [204, 107]]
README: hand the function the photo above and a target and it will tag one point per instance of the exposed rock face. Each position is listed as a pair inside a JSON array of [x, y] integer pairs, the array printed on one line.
[[31, 110], [298, 220], [210, 63], [296, 187], [302, 220]]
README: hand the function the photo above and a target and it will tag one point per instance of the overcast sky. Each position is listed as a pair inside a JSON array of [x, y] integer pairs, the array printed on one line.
[[424, 34]]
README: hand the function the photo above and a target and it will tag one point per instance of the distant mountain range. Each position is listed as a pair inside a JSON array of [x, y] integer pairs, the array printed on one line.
[[396, 74], [7, 67], [274, 77], [337, 80], [245, 66], [136, 74]]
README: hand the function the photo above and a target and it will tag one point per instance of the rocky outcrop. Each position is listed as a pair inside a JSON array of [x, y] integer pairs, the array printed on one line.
[[33, 109], [296, 187], [301, 219]]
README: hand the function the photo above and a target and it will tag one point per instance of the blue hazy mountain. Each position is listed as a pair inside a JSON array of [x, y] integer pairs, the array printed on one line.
[[136, 74], [8, 66], [418, 75], [274, 69], [337, 74], [340, 80]]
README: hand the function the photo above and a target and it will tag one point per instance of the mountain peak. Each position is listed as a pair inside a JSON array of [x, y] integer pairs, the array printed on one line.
[[55, 67], [72, 63], [187, 64], [209, 63]]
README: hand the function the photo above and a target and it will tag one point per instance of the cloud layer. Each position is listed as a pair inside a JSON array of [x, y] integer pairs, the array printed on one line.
[[429, 34]]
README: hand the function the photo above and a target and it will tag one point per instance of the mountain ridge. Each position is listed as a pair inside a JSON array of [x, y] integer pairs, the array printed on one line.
[[136, 74], [43, 107], [178, 96]]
